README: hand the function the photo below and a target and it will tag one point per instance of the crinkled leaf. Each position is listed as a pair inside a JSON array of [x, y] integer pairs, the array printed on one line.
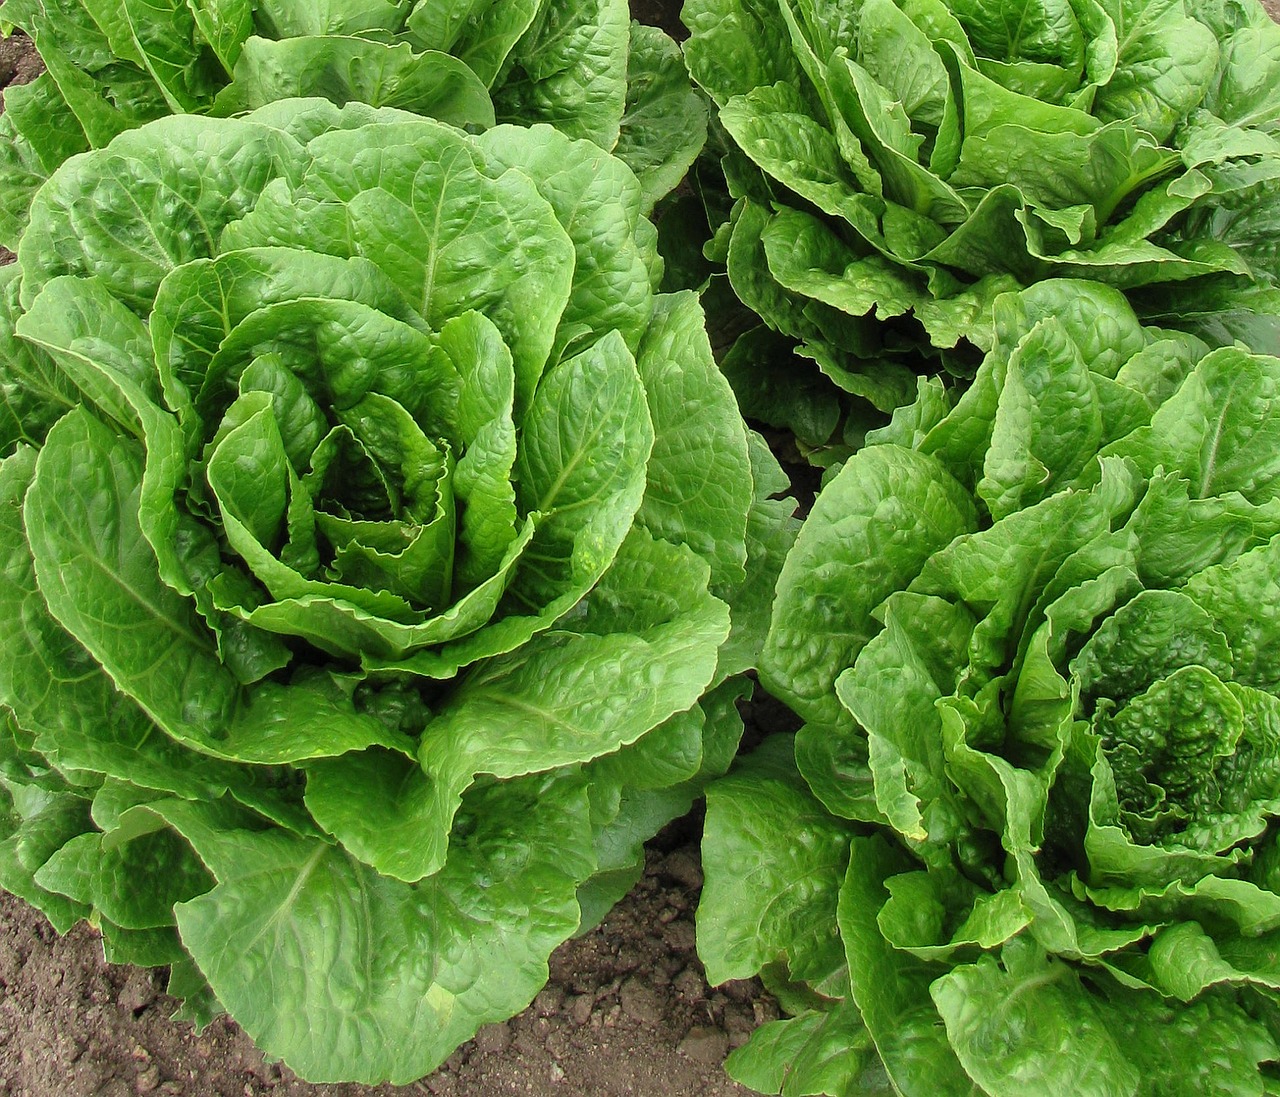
[[773, 860], [869, 532]]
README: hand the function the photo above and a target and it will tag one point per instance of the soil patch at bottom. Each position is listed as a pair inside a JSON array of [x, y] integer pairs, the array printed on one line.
[[626, 1012]]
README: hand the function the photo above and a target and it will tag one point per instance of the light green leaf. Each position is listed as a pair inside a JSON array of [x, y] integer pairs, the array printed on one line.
[[599, 203], [39, 132], [813, 1053], [93, 870], [1239, 597], [1051, 1037], [735, 45], [482, 478], [297, 920], [1219, 430], [891, 691], [480, 33], [101, 581], [164, 38], [33, 392], [344, 69], [665, 123], [585, 445], [773, 860], [891, 987], [699, 489], [428, 213], [1167, 62], [158, 197], [569, 69], [562, 697], [224, 24], [1048, 423], [60, 694], [871, 529], [34, 824], [295, 18]]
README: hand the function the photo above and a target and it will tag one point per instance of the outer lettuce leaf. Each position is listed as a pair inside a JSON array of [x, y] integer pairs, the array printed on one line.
[[814, 1053], [39, 133], [566, 70], [664, 126], [880, 519], [395, 1017], [345, 69], [767, 898]]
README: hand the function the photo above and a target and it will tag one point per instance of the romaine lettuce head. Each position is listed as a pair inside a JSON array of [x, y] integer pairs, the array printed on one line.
[[582, 67], [382, 558], [899, 163], [1026, 839]]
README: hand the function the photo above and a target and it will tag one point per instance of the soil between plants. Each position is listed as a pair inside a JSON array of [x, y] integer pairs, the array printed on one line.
[[626, 1012]]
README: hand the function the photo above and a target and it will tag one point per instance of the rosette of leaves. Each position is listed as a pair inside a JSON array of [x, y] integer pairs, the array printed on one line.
[[1025, 841], [580, 65], [382, 556], [898, 164]]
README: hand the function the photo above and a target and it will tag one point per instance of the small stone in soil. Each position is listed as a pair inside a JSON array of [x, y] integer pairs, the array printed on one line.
[[549, 1001], [741, 990], [705, 1045], [580, 1008], [765, 1010], [738, 1022], [137, 993], [689, 985]]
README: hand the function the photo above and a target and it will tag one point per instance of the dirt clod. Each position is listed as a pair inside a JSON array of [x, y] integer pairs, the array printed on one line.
[[493, 1039], [680, 936], [705, 1044], [138, 993], [641, 1002], [580, 1006], [684, 868]]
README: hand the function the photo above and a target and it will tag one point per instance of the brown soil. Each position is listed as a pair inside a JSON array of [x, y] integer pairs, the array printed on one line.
[[19, 62], [626, 1012]]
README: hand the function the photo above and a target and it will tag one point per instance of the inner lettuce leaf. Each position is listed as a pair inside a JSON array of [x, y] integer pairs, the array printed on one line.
[[894, 166], [1031, 815], [383, 555], [583, 67]]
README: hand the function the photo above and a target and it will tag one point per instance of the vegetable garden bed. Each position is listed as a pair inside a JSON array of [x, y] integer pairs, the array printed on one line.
[[395, 424]]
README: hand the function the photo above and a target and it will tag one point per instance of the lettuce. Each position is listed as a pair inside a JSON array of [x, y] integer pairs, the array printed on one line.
[[1025, 840], [580, 66], [382, 558], [897, 165]]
